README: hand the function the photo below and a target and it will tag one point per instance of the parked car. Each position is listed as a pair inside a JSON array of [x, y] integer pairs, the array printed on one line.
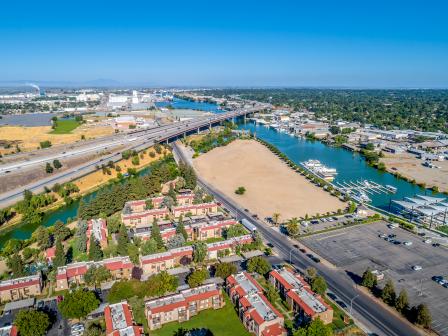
[[427, 241], [407, 243], [417, 268]]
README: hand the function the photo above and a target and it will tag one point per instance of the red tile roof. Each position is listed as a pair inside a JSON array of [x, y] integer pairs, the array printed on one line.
[[19, 283], [274, 330]]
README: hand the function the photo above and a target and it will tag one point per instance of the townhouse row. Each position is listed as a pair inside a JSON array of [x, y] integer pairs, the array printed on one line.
[[254, 310], [119, 320], [21, 288], [305, 304], [122, 267], [200, 230]]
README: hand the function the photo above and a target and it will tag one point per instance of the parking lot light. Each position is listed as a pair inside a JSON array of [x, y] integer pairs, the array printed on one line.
[[351, 303]]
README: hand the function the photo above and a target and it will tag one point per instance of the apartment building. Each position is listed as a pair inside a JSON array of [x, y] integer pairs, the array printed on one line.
[[141, 205], [194, 209], [146, 217], [306, 304], [182, 306], [212, 229], [255, 311], [119, 320], [97, 228], [120, 268], [155, 263], [226, 247], [21, 288], [9, 331]]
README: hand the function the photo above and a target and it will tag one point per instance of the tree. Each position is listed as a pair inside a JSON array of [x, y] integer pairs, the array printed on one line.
[[149, 247], [402, 302], [180, 228], [95, 252], [59, 258], [235, 231], [311, 272], [272, 293], [175, 241], [42, 237], [388, 293], [319, 285], [223, 270], [61, 232], [197, 277], [149, 205], [57, 164], [258, 265], [240, 191], [96, 275], [156, 235], [368, 279], [32, 322], [123, 241], [423, 316], [276, 218], [48, 168], [315, 328], [188, 175], [78, 304], [172, 194], [133, 253], [135, 160], [199, 252], [293, 227], [15, 264], [334, 129]]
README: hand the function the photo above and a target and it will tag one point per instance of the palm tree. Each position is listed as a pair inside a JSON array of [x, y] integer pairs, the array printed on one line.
[[276, 218]]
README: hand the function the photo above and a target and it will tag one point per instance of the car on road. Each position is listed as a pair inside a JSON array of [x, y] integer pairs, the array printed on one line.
[[382, 235], [247, 210], [341, 304], [296, 246], [417, 268], [407, 243], [427, 241], [302, 250], [315, 259], [436, 244]]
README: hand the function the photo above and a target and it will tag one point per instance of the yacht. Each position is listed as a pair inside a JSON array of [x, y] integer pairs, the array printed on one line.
[[317, 168]]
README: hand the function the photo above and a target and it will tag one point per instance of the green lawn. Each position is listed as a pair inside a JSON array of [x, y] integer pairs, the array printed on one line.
[[65, 126], [221, 322]]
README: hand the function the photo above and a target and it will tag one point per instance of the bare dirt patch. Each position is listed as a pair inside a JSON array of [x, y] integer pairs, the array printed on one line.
[[271, 186]]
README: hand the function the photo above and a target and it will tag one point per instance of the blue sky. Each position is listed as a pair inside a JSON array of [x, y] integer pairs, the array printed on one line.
[[227, 43]]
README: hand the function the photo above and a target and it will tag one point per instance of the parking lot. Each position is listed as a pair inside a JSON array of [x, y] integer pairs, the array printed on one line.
[[355, 248], [329, 222]]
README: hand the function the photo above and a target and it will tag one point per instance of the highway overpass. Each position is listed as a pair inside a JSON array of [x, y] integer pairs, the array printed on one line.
[[135, 141]]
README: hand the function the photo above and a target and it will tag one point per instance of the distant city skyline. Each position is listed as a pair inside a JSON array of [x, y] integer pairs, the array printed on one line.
[[383, 44]]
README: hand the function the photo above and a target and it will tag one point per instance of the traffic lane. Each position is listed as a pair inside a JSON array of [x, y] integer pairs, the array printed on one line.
[[375, 318]]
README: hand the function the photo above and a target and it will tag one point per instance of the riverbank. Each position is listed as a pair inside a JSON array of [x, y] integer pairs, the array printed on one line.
[[271, 186], [93, 182], [411, 168]]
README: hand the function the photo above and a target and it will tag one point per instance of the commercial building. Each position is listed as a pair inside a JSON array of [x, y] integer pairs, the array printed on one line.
[[255, 311], [306, 304], [194, 209], [97, 229], [182, 306], [120, 268], [425, 209], [119, 321], [20, 288]]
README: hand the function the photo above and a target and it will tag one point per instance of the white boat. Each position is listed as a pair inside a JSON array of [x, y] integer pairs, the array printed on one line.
[[316, 167], [360, 196], [390, 188]]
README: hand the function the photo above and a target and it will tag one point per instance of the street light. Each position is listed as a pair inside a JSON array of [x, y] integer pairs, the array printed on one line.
[[290, 252], [351, 303]]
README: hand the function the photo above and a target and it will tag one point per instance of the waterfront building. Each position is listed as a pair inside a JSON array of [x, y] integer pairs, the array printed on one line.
[[97, 228], [119, 320], [426, 209], [182, 306], [120, 268], [21, 288], [255, 311], [305, 304]]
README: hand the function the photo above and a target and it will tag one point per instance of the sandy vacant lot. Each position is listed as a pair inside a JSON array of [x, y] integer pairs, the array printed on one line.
[[28, 138], [271, 186], [411, 167]]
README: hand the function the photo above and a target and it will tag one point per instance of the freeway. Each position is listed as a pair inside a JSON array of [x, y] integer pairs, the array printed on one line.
[[138, 142], [375, 317]]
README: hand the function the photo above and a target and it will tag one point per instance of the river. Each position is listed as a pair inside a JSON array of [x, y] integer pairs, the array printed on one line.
[[350, 166]]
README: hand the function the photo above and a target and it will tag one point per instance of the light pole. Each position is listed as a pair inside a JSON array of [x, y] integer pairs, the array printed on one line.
[[351, 303], [290, 252]]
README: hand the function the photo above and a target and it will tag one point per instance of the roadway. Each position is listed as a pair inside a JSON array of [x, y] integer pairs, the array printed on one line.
[[137, 141], [372, 315]]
